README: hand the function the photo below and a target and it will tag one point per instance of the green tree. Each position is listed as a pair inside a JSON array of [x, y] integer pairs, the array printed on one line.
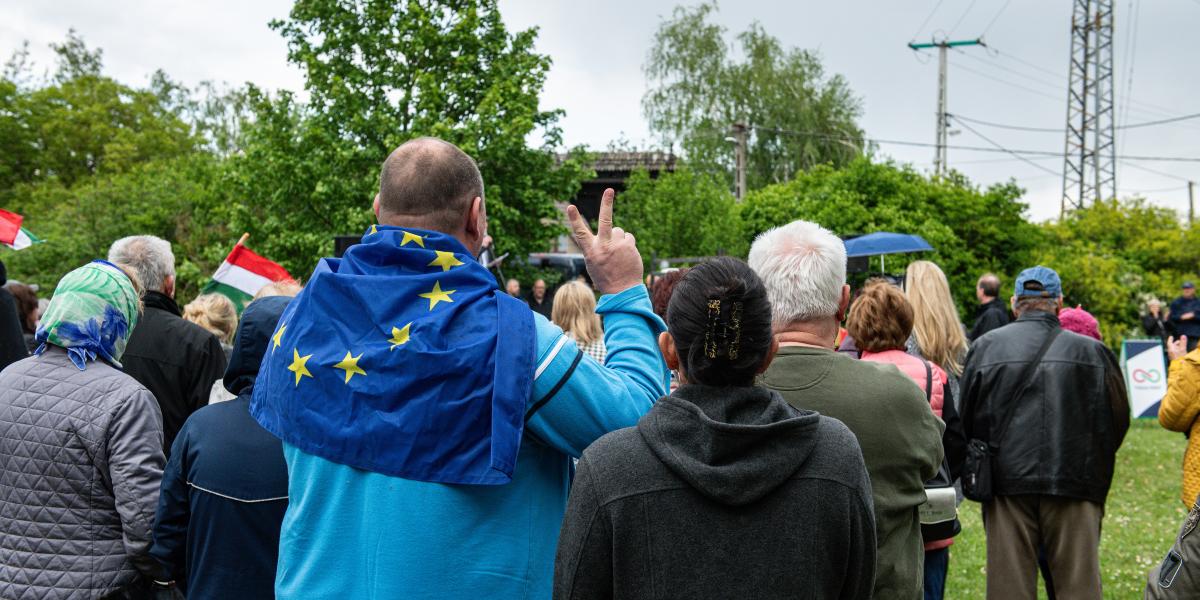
[[1113, 256], [700, 85], [82, 123], [87, 160], [379, 73], [972, 230], [680, 214]]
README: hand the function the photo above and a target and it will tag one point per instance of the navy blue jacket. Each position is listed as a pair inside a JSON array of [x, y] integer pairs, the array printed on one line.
[[1190, 327], [224, 490]]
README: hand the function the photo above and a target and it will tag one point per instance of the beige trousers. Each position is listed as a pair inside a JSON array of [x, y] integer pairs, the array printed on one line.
[[1068, 530]]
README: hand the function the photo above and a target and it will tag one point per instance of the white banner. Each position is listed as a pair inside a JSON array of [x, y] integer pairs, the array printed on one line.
[[1145, 376]]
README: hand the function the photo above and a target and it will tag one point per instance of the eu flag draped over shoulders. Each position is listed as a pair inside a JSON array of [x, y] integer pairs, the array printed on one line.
[[403, 358]]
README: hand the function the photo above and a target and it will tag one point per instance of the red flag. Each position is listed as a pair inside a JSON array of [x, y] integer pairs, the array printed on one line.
[[10, 226]]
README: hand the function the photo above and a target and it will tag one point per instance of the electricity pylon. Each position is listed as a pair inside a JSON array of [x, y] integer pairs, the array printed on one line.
[[1089, 164]]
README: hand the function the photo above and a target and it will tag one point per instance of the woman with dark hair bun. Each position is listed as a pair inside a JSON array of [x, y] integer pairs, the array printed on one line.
[[723, 490]]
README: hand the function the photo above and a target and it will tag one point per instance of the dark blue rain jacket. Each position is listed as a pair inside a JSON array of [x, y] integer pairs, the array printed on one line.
[[224, 490]]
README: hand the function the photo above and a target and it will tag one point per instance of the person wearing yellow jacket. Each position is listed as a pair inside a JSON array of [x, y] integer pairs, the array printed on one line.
[[1180, 408]]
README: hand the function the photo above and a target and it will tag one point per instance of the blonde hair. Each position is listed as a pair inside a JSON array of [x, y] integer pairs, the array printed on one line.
[[287, 287], [215, 313], [575, 311], [939, 333]]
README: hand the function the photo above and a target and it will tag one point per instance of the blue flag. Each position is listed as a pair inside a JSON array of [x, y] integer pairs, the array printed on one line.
[[403, 358]]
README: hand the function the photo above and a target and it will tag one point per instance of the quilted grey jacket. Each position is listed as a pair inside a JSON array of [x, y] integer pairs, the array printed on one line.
[[80, 464]]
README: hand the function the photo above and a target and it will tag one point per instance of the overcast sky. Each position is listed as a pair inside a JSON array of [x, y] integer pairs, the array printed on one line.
[[598, 49]]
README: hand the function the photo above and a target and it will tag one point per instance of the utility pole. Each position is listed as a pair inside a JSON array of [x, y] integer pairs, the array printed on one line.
[[740, 131], [1089, 164], [1191, 202], [943, 119]]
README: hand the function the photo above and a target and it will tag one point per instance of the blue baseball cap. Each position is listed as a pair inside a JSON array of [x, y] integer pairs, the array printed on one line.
[[1187, 285], [1038, 282]]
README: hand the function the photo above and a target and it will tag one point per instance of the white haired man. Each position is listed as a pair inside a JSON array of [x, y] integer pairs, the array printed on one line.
[[804, 269], [176, 360]]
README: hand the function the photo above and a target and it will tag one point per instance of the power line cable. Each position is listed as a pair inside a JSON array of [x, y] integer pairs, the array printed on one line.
[[1161, 121], [996, 51], [1129, 109], [995, 18], [1004, 126], [1149, 170], [960, 19], [1053, 130], [890, 142], [928, 18], [1177, 188], [994, 65], [1130, 58], [1008, 83], [1023, 159], [979, 161], [1143, 106]]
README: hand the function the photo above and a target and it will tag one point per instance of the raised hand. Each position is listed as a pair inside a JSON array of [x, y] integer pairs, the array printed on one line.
[[611, 254], [1177, 347]]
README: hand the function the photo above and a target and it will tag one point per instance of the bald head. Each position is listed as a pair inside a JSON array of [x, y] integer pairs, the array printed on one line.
[[430, 184], [988, 287]]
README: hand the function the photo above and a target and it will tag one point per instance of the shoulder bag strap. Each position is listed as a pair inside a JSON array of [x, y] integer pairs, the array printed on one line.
[[928, 382], [1025, 379]]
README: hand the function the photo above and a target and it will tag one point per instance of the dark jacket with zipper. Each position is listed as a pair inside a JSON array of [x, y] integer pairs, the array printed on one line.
[[224, 490], [176, 360], [1063, 433], [989, 316], [12, 342], [720, 493]]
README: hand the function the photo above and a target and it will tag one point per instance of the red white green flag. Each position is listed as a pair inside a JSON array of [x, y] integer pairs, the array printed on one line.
[[12, 234], [243, 274]]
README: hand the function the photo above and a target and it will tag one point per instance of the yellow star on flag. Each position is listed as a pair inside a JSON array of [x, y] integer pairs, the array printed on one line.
[[298, 367], [349, 364], [445, 260], [412, 237], [437, 295], [373, 229], [399, 336], [278, 337]]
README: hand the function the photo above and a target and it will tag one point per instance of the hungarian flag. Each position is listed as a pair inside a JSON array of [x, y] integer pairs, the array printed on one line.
[[12, 234], [243, 274]]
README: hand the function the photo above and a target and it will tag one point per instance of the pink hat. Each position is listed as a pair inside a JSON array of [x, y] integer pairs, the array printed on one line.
[[1079, 321]]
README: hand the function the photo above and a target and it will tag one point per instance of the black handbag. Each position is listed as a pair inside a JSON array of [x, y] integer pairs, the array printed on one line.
[[939, 513], [977, 481]]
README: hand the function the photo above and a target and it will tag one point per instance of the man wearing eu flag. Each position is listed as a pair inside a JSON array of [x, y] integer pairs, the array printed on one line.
[[428, 419]]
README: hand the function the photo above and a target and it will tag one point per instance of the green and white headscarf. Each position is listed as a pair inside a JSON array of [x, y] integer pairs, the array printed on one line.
[[92, 313]]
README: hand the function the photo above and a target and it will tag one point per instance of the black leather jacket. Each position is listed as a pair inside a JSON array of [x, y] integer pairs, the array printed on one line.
[[1063, 433]]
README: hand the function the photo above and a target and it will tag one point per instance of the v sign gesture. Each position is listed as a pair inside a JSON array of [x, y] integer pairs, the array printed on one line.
[[611, 254]]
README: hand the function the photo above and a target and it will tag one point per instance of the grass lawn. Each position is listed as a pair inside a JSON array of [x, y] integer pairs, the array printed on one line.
[[1142, 516]]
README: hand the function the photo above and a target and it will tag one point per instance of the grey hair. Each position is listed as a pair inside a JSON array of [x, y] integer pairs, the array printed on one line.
[[1026, 304], [804, 268], [149, 257]]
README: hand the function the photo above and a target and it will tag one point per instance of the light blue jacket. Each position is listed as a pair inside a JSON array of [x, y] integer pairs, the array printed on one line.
[[350, 533]]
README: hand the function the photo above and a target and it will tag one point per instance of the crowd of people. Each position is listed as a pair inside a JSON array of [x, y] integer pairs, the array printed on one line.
[[402, 427]]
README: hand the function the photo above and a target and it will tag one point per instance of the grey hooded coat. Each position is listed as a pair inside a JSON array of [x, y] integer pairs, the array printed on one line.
[[80, 464]]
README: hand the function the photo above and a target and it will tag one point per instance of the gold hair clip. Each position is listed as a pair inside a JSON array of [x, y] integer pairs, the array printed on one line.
[[710, 332], [735, 319]]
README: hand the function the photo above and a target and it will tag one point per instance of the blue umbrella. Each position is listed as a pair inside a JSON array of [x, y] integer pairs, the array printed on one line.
[[885, 242]]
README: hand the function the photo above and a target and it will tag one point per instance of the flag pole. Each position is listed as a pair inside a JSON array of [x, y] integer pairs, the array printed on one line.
[[245, 236]]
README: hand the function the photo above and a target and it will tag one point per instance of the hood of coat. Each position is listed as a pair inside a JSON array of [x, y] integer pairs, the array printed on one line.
[[732, 444], [252, 341]]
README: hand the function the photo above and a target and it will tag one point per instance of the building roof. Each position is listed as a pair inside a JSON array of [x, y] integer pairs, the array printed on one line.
[[628, 161]]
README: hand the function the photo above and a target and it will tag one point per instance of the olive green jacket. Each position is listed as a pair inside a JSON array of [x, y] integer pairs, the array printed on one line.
[[901, 443]]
